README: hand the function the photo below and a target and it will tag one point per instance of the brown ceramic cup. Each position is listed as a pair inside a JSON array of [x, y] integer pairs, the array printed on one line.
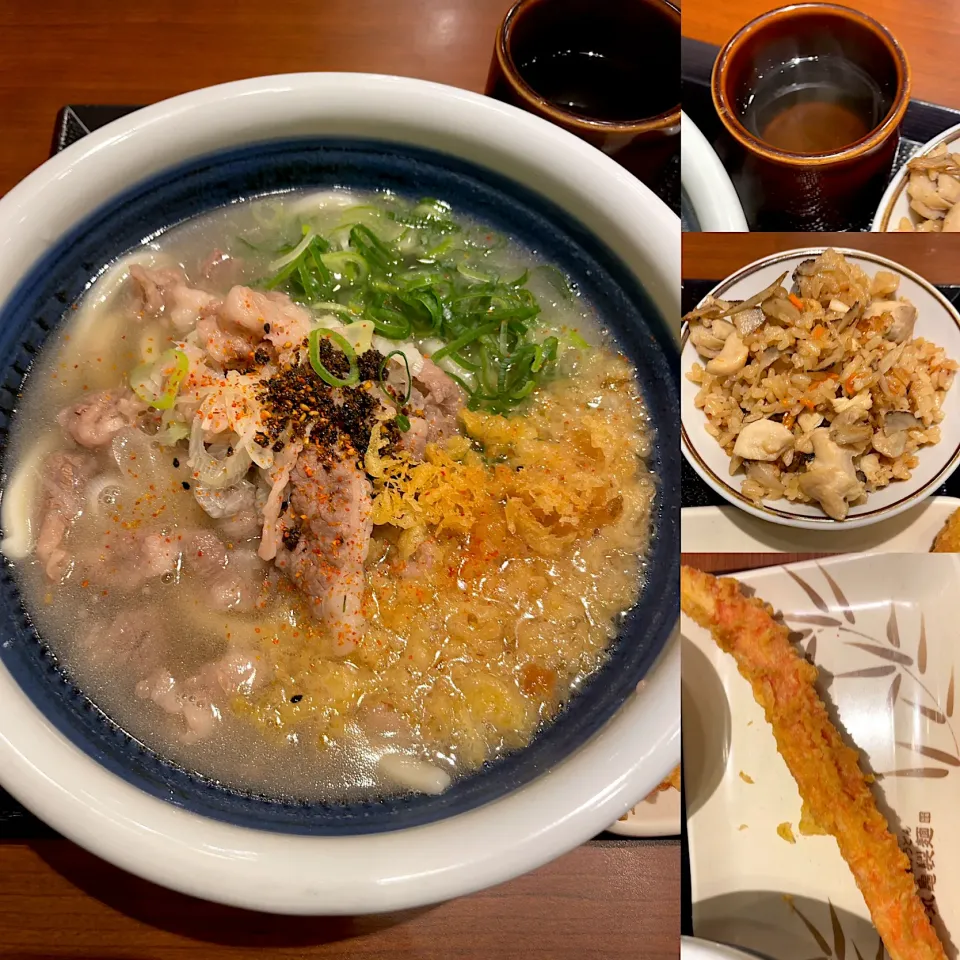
[[606, 70], [833, 190]]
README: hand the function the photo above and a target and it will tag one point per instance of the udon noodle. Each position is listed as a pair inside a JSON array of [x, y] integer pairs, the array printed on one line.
[[330, 496]]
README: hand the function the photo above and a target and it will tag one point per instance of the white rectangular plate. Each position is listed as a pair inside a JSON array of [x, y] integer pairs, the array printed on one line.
[[882, 630], [729, 530]]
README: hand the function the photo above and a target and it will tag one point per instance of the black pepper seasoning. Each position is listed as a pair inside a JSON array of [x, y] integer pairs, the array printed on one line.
[[337, 421]]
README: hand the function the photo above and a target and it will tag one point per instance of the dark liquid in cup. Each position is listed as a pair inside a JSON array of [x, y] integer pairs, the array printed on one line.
[[598, 85], [814, 105]]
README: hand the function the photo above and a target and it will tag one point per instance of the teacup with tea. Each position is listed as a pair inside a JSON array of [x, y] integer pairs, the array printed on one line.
[[814, 95]]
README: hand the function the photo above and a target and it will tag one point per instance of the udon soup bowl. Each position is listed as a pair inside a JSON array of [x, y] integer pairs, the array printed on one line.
[[64, 225]]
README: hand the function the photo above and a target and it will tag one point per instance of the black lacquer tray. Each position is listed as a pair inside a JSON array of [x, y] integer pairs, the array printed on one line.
[[923, 121]]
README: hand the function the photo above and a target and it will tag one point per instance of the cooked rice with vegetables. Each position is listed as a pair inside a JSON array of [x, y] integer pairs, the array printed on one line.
[[934, 192], [821, 393]]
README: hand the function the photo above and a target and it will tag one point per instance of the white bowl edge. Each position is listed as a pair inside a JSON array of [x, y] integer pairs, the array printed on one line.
[[388, 871]]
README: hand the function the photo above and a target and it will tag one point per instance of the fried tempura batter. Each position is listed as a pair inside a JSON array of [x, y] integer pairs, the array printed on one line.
[[826, 770], [948, 539]]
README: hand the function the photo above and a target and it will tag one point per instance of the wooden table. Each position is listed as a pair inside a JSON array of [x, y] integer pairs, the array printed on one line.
[[611, 897], [710, 256], [97, 51], [929, 32], [605, 900]]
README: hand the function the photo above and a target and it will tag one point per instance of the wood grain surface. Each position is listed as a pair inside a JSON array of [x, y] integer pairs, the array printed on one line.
[[609, 898], [604, 900], [714, 256], [66, 51], [928, 30]]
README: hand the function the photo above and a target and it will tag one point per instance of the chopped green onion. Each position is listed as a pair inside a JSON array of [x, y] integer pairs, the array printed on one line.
[[406, 363], [550, 346], [577, 340], [477, 276], [169, 370], [344, 262], [464, 340], [390, 323], [558, 280], [369, 245], [321, 371], [408, 270], [424, 302], [331, 306], [293, 255], [462, 361], [403, 422]]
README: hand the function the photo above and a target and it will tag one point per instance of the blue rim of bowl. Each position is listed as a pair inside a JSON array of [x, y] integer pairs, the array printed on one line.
[[59, 280]]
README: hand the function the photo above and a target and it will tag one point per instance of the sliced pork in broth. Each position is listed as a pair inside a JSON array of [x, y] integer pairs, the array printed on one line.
[[330, 496]]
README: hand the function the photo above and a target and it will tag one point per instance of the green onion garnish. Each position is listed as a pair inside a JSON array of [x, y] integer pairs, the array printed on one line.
[[403, 422], [157, 383], [464, 340], [406, 364], [321, 371], [411, 271]]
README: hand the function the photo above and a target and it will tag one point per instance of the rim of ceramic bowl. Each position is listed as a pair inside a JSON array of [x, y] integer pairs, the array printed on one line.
[[281, 873], [693, 948], [898, 184], [728, 114], [708, 185], [664, 121], [784, 517]]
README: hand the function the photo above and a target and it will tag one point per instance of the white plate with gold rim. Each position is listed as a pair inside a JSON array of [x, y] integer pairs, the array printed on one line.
[[895, 203], [937, 320], [882, 633], [728, 530]]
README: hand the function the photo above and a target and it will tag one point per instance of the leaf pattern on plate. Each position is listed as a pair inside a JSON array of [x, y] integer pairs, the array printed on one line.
[[815, 618], [882, 652], [839, 940], [848, 613], [815, 597], [922, 646], [928, 773], [868, 672], [894, 690], [838, 949], [893, 629], [935, 715], [896, 663], [931, 752]]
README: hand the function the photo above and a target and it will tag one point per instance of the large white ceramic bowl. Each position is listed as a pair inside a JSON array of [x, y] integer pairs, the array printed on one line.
[[937, 320], [714, 203], [385, 871]]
